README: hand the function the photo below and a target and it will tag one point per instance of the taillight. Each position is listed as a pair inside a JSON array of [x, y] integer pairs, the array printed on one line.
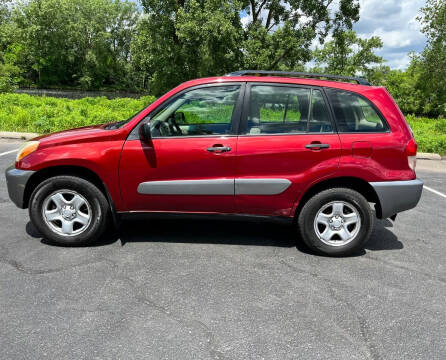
[[411, 151]]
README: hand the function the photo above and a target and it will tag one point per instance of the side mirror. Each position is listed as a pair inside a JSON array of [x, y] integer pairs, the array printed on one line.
[[144, 131]]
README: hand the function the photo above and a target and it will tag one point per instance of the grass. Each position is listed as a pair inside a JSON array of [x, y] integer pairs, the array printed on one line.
[[25, 113], [430, 134], [40, 114]]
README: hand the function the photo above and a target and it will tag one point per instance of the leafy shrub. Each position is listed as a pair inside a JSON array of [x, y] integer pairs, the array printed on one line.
[[430, 134], [21, 112], [40, 114]]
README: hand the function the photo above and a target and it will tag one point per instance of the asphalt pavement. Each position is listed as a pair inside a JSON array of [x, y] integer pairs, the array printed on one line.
[[176, 289]]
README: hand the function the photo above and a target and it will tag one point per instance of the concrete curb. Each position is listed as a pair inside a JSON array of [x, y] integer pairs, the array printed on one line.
[[428, 156], [17, 135]]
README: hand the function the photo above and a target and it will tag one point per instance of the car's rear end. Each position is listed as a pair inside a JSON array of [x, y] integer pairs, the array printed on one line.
[[393, 157]]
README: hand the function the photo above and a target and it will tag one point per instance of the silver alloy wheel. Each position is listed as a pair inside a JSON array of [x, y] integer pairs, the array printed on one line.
[[66, 212], [337, 223]]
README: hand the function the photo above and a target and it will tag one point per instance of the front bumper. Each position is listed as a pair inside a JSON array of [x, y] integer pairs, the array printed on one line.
[[16, 180], [397, 196]]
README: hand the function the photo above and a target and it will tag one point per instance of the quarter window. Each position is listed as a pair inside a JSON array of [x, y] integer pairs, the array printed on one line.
[[203, 111], [354, 113]]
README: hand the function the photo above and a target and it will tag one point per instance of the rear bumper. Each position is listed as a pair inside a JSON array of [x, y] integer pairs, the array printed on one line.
[[16, 180], [397, 196]]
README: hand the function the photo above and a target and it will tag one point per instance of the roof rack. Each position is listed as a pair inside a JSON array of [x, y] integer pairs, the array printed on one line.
[[359, 80]]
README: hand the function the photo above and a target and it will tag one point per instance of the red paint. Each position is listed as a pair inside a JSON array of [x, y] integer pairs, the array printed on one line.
[[122, 164]]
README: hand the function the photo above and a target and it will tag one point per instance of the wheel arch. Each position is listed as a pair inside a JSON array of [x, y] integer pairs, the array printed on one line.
[[350, 182], [69, 170]]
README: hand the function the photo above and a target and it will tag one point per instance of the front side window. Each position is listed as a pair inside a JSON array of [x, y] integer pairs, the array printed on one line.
[[203, 111], [283, 110], [354, 113]]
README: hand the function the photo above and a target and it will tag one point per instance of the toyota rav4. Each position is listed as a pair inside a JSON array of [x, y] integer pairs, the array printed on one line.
[[317, 150]]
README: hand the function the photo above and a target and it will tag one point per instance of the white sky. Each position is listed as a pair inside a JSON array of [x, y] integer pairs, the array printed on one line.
[[394, 21]]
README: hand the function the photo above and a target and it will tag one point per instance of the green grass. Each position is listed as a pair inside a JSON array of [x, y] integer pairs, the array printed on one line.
[[25, 113], [430, 134]]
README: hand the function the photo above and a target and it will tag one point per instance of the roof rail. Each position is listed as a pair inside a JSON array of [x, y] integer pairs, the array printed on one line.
[[359, 80]]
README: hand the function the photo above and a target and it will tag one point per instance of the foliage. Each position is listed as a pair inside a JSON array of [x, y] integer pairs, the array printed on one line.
[[430, 134], [21, 112], [433, 71], [349, 54], [75, 42], [181, 40]]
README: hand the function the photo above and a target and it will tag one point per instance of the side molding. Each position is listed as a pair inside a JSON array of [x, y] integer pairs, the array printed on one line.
[[188, 187], [215, 187], [261, 186]]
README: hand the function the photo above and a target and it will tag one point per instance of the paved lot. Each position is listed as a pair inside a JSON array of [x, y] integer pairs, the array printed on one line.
[[225, 290]]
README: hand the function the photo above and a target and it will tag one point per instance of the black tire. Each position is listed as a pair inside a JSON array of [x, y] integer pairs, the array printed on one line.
[[306, 221], [99, 210]]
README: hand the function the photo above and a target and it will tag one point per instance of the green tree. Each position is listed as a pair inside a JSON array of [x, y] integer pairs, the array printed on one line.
[[348, 54], [182, 39], [279, 34], [432, 81], [9, 72], [403, 85], [75, 42], [179, 40]]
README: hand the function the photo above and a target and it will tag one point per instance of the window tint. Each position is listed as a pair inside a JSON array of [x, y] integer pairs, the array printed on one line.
[[320, 118], [282, 109], [204, 111], [354, 114], [278, 109]]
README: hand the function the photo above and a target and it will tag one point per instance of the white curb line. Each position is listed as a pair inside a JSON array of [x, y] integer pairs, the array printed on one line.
[[17, 135]]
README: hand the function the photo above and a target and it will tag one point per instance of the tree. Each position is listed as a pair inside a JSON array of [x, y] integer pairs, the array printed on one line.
[[9, 72], [181, 39], [348, 54], [279, 34], [432, 80], [75, 42]]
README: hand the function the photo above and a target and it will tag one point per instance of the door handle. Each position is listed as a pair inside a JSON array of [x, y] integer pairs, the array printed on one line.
[[317, 146], [219, 149]]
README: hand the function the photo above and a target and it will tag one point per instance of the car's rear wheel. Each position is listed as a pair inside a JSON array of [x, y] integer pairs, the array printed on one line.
[[69, 210], [336, 222]]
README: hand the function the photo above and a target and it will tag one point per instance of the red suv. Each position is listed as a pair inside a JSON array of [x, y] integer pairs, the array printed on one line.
[[269, 144]]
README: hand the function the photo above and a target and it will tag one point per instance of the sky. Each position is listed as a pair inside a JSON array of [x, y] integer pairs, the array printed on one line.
[[394, 21]]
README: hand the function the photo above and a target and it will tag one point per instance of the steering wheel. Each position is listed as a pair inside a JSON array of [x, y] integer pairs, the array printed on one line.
[[161, 128], [173, 126]]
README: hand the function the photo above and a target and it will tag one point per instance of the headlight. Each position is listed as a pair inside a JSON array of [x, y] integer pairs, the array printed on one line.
[[26, 149]]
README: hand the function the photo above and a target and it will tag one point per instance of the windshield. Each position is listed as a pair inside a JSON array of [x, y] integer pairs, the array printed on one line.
[[121, 123]]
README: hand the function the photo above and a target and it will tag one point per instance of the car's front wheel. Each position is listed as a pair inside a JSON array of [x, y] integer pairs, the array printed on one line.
[[336, 222], [69, 210]]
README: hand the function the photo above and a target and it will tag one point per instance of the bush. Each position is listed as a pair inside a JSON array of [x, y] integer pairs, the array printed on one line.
[[40, 114], [430, 134]]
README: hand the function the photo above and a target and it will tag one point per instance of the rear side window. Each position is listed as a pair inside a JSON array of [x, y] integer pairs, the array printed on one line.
[[283, 110], [353, 113]]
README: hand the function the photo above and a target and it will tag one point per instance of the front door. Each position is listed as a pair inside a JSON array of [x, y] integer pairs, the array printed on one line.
[[287, 141], [189, 164]]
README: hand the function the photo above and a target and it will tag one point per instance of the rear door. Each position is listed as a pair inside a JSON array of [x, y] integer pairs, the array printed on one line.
[[287, 142], [189, 164]]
